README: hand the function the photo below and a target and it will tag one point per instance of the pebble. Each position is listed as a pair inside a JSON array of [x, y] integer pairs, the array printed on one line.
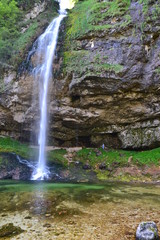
[[47, 225], [48, 215]]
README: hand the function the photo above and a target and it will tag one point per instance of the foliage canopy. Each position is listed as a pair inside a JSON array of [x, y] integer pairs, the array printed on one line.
[[9, 15]]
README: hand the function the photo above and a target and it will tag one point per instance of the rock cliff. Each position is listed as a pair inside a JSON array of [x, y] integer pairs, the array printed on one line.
[[106, 81]]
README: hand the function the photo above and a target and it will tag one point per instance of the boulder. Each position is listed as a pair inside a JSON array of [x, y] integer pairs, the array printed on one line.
[[9, 230], [147, 231]]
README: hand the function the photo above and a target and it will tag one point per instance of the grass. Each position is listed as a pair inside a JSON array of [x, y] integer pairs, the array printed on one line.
[[156, 11], [76, 61], [26, 36], [90, 15], [82, 61], [148, 157], [150, 11], [10, 145], [111, 158], [93, 15], [145, 4], [35, 26], [157, 70], [57, 156], [14, 48], [25, 151]]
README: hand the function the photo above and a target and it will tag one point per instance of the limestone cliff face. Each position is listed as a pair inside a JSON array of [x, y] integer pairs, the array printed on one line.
[[17, 87], [106, 82], [111, 95]]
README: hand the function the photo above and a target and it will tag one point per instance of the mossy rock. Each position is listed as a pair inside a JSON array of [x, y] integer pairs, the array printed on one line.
[[9, 230]]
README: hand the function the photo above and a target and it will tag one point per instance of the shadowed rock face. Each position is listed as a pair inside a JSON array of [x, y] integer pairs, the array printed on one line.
[[11, 168], [107, 92]]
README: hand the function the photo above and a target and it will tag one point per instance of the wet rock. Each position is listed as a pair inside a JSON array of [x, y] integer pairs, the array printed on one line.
[[9, 230], [3, 215], [130, 159], [102, 166], [115, 164], [28, 217], [110, 169], [147, 231], [47, 225], [98, 153], [48, 215], [38, 8], [11, 168], [29, 225], [86, 166], [77, 163]]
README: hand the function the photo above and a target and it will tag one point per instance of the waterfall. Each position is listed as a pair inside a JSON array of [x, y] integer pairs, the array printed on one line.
[[47, 43]]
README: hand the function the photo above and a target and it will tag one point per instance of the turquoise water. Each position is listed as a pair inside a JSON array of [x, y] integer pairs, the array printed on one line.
[[77, 211], [17, 186]]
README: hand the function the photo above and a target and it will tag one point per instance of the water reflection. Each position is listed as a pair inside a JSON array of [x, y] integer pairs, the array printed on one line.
[[38, 199], [78, 211]]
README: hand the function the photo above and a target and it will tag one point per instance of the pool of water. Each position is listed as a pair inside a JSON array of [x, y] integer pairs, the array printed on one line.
[[47, 210]]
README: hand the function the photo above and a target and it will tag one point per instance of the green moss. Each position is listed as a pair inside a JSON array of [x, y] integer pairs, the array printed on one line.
[[83, 61], [148, 157], [145, 4], [9, 230], [57, 156], [21, 43], [150, 12], [10, 145], [156, 11], [87, 17], [118, 158], [158, 70], [1, 160], [76, 61], [90, 14], [102, 175], [111, 67], [25, 151], [13, 41], [78, 21]]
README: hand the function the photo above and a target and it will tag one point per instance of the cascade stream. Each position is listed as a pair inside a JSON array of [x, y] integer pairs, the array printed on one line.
[[47, 43]]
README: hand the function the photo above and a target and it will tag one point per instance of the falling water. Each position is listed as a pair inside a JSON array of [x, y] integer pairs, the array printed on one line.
[[46, 49]]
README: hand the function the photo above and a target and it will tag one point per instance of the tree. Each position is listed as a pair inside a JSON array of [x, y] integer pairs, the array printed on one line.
[[9, 14]]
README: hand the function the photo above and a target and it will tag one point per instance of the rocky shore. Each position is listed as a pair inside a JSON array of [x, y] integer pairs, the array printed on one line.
[[81, 165]]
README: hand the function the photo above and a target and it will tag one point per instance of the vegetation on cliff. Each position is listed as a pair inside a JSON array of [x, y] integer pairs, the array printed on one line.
[[107, 164], [89, 18], [111, 65], [9, 16], [90, 15], [8, 145], [17, 32], [92, 18]]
